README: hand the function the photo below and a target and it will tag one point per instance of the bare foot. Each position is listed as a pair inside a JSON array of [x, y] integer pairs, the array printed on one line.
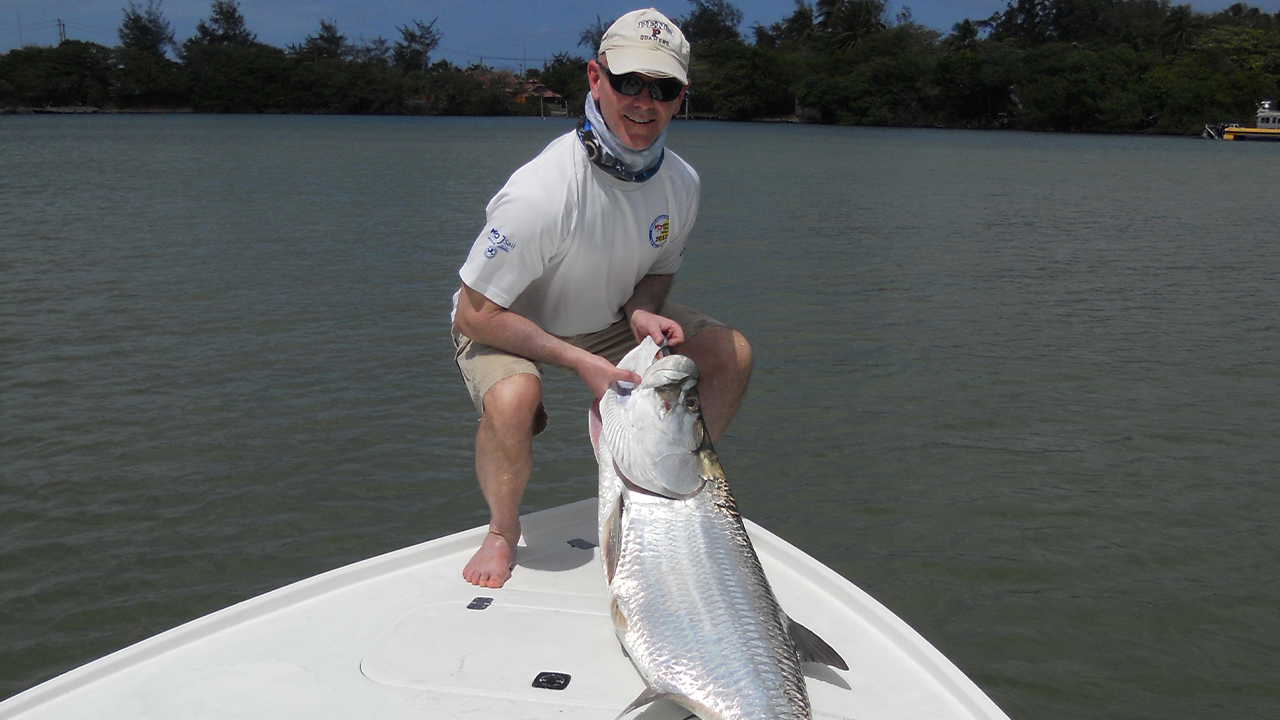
[[491, 565]]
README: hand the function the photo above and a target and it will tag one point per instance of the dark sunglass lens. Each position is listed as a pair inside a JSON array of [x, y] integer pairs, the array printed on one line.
[[660, 90], [629, 85], [665, 90]]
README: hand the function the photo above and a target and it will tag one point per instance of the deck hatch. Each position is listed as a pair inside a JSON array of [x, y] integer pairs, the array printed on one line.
[[551, 680]]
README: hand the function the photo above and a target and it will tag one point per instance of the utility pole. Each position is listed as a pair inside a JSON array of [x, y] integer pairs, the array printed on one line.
[[62, 31]]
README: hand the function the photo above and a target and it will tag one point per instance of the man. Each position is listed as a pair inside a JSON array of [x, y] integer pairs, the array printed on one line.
[[573, 269]]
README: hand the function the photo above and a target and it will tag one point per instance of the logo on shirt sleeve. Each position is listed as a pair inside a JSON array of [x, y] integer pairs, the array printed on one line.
[[498, 241], [659, 229]]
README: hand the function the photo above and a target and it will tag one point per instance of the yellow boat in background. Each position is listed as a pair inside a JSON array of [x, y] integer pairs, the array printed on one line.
[[1267, 126]]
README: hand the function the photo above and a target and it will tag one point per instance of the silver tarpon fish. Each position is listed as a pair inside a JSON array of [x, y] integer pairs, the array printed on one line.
[[689, 600]]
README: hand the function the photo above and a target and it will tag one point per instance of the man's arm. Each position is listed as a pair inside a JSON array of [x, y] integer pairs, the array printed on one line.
[[487, 322], [641, 310]]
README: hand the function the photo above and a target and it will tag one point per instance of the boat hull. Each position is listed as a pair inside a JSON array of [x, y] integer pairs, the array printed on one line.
[[1252, 134], [402, 636]]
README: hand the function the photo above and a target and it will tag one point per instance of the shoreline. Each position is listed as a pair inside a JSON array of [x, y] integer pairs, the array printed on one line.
[[782, 120], [88, 110]]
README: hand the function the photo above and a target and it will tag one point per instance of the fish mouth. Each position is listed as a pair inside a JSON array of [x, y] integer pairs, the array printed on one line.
[[595, 427], [651, 433], [672, 370]]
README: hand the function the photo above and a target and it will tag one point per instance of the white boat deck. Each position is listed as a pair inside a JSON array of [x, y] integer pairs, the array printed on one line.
[[392, 637]]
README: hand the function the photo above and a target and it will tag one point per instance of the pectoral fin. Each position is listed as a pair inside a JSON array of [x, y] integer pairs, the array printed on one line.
[[650, 695], [611, 540], [811, 648], [647, 696]]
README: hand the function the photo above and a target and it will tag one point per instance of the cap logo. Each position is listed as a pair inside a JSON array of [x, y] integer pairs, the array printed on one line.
[[656, 28]]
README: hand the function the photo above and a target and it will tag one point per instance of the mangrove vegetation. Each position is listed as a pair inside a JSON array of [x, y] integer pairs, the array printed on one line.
[[1063, 65]]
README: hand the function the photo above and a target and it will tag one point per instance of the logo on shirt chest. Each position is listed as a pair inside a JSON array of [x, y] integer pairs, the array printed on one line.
[[659, 229], [497, 241]]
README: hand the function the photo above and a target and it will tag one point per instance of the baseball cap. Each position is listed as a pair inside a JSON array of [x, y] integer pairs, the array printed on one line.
[[645, 41]]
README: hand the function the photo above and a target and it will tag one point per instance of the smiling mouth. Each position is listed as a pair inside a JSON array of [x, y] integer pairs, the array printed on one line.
[[636, 120]]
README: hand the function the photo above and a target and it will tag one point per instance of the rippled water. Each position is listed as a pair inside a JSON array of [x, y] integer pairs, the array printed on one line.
[[1021, 388]]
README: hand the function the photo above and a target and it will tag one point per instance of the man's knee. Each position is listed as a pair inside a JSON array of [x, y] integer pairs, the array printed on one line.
[[514, 404], [741, 351], [722, 349]]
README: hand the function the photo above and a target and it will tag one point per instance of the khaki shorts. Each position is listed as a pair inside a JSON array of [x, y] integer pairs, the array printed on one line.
[[483, 366]]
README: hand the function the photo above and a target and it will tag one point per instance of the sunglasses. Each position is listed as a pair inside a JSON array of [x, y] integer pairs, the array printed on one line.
[[664, 90]]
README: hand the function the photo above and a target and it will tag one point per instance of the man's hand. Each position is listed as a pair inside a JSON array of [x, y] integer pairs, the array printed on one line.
[[480, 319], [642, 308], [599, 374], [646, 324]]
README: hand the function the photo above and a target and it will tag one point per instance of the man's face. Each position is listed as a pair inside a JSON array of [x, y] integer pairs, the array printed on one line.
[[636, 120]]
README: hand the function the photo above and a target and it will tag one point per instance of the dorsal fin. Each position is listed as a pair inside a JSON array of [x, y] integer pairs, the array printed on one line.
[[811, 648]]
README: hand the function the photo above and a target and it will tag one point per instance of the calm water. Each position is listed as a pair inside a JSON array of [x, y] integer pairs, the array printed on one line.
[[1021, 388]]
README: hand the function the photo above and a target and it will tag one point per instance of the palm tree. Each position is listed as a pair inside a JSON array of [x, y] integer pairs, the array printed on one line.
[[847, 22], [593, 34]]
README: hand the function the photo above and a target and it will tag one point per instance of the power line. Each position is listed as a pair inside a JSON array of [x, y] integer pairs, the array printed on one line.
[[40, 31], [91, 30], [544, 60]]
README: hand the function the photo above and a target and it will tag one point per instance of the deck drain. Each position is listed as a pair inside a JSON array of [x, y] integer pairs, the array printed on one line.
[[551, 681], [480, 603]]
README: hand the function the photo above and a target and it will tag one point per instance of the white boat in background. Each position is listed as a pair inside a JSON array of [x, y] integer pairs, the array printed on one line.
[[402, 635]]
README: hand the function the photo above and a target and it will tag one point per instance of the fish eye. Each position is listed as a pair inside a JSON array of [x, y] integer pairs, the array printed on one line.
[[691, 402]]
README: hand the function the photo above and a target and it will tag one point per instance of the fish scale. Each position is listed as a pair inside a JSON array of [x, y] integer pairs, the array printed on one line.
[[746, 665]]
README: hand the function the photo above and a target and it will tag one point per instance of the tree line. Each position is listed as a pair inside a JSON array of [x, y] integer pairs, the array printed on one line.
[[1064, 65], [224, 68]]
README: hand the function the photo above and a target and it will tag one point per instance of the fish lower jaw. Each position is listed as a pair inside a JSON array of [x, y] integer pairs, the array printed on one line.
[[640, 493], [635, 495]]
